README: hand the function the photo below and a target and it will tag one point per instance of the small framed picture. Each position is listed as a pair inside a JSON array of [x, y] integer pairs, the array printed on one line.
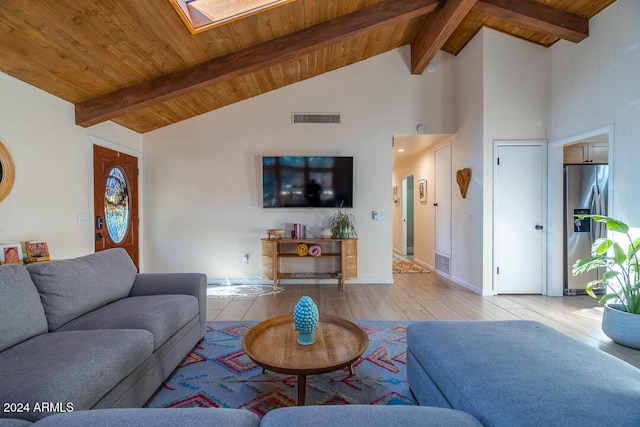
[[422, 190], [37, 251], [11, 253]]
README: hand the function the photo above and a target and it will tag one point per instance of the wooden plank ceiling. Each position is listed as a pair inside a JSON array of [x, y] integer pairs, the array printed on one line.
[[135, 62]]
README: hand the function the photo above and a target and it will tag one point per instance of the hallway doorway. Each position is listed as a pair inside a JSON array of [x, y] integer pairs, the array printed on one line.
[[413, 219], [408, 215]]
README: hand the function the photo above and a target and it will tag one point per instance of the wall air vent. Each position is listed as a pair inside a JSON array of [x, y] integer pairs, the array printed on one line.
[[443, 264], [315, 118]]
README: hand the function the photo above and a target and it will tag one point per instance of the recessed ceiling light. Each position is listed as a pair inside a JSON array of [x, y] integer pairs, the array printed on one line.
[[400, 150]]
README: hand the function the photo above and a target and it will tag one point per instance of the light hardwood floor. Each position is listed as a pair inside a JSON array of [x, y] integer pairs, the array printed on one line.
[[428, 296]]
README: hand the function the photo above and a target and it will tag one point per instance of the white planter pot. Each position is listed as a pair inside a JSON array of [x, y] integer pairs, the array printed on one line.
[[620, 326]]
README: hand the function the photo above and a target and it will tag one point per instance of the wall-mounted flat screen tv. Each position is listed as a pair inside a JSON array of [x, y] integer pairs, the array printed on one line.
[[306, 182]]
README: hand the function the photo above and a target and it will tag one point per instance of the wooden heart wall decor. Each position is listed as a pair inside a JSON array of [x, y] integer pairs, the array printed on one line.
[[463, 177]]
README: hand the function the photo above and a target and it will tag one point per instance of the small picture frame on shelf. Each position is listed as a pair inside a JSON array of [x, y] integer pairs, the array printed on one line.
[[37, 250], [11, 253], [422, 190]]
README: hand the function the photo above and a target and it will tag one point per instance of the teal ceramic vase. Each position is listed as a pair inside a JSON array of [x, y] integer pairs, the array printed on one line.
[[305, 319]]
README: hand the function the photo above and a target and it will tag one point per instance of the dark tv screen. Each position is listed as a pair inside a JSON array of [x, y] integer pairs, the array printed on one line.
[[305, 181]]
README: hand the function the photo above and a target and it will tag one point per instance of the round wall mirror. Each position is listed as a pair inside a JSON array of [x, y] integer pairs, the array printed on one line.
[[7, 172]]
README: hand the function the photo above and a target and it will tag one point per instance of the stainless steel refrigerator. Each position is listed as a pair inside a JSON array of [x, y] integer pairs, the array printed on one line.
[[585, 192]]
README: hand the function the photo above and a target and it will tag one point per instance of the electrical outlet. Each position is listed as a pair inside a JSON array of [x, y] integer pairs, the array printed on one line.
[[245, 259]]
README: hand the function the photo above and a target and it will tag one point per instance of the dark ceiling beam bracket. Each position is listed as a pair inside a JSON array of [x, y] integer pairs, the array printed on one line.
[[435, 31], [228, 67], [538, 17]]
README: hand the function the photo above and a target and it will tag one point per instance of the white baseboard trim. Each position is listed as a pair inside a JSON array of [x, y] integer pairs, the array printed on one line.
[[424, 264], [258, 281], [466, 285], [239, 281]]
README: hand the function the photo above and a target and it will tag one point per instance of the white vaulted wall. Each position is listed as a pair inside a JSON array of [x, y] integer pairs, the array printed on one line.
[[203, 176], [596, 85]]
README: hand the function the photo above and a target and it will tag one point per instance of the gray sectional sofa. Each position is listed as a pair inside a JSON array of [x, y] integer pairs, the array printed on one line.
[[297, 416], [91, 332], [519, 373]]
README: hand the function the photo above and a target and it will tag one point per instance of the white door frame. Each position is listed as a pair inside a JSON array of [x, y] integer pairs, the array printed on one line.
[[555, 220]]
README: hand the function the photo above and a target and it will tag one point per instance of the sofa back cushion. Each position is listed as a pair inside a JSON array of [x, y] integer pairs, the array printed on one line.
[[22, 314], [70, 288]]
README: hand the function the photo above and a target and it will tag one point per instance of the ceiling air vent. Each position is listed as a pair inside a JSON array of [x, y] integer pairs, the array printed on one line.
[[315, 118]]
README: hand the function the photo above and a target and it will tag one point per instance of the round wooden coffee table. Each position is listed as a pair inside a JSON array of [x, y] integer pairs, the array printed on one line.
[[273, 345]]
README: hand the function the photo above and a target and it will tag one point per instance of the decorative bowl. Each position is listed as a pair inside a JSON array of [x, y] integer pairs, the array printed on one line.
[[326, 233]]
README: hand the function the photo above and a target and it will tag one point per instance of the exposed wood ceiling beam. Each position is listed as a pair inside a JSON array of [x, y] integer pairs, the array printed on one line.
[[537, 16], [225, 68], [435, 31]]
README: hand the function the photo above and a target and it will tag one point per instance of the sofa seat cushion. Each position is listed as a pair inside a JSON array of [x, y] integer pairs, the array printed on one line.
[[74, 367], [154, 417], [22, 312], [72, 287], [367, 415], [162, 315], [14, 422], [523, 373]]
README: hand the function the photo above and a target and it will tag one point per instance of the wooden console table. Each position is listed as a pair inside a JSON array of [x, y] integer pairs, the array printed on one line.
[[343, 253]]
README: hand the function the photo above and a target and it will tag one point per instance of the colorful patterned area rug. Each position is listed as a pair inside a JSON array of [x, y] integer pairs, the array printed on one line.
[[403, 265], [218, 373]]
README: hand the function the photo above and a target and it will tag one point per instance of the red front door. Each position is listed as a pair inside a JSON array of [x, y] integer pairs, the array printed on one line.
[[115, 189]]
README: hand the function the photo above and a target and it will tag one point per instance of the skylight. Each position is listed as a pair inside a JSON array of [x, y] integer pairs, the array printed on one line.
[[201, 15]]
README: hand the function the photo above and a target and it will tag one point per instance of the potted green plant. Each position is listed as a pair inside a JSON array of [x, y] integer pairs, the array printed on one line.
[[621, 319], [343, 224]]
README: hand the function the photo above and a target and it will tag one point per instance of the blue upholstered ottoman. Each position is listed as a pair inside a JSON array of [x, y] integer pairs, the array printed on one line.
[[519, 373]]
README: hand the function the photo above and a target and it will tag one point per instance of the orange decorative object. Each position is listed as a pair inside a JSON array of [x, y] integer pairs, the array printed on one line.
[[302, 249], [463, 177]]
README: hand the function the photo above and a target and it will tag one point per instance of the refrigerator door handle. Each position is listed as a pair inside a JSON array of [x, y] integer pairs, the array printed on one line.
[[601, 210], [593, 208], [597, 206]]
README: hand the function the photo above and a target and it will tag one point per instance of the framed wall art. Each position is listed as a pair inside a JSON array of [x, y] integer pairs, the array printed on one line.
[[422, 190]]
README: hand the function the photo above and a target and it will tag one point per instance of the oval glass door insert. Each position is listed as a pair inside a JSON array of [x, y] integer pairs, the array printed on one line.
[[116, 205]]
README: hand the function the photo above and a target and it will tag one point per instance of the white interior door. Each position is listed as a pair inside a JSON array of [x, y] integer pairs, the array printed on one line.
[[442, 208], [519, 194]]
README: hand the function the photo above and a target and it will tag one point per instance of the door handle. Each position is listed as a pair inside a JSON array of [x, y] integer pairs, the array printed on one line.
[[98, 237], [539, 227], [435, 204], [99, 223]]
